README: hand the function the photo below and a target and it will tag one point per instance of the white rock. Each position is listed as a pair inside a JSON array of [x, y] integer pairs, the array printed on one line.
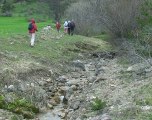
[[32, 84], [11, 88], [129, 69]]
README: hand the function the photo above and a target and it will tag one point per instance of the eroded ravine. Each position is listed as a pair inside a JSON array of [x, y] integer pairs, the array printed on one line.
[[82, 74]]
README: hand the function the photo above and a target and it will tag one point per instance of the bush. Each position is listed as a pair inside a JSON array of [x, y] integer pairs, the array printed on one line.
[[19, 106], [118, 17], [97, 104], [7, 7]]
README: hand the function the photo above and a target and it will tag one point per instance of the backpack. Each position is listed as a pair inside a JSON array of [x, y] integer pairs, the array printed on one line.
[[69, 24], [72, 24], [66, 24], [30, 27]]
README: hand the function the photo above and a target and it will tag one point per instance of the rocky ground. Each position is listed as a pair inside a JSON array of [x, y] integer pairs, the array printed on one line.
[[68, 95]]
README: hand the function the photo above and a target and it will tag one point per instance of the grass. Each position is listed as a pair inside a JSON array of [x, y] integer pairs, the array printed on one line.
[[98, 104], [19, 106], [15, 40], [145, 96], [16, 25], [15, 48], [103, 36]]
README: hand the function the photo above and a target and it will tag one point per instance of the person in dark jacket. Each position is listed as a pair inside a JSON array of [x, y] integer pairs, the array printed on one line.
[[32, 32], [72, 27], [69, 27]]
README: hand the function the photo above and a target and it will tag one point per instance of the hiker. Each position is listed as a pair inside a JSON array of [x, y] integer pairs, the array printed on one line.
[[58, 25], [32, 29], [69, 27], [72, 27], [65, 26]]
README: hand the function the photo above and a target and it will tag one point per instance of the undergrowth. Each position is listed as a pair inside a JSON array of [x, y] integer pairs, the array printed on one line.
[[19, 106]]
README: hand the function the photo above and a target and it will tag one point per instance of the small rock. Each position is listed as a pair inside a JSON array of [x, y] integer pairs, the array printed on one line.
[[51, 88], [32, 84], [129, 69], [42, 83], [74, 87], [75, 105], [62, 115], [62, 79], [49, 80], [61, 98], [105, 117], [52, 102], [79, 64], [50, 106], [57, 99], [11, 88]]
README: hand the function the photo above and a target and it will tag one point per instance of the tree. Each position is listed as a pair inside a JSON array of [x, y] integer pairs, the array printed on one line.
[[58, 7], [7, 7], [117, 17]]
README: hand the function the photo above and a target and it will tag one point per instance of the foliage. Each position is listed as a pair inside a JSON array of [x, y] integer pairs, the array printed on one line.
[[145, 18], [50, 8], [145, 27], [15, 117], [116, 17], [98, 104], [7, 7], [19, 106], [145, 95], [32, 11], [58, 7]]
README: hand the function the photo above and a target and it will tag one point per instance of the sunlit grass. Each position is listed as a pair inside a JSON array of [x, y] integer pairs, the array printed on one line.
[[14, 38], [16, 25]]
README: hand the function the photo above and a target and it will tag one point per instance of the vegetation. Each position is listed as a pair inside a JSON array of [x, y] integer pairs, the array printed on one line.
[[116, 17], [145, 98], [12, 28], [97, 104], [19, 106], [128, 23], [15, 41], [119, 18]]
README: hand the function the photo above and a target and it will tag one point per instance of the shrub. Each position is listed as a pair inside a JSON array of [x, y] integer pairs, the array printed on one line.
[[19, 106], [7, 7], [118, 17], [98, 104]]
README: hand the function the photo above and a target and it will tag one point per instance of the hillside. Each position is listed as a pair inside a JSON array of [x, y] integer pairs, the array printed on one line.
[[69, 77], [24, 70]]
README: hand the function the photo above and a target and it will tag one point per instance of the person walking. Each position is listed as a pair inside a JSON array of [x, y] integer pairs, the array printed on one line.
[[65, 26], [32, 29], [58, 26], [72, 27], [69, 27]]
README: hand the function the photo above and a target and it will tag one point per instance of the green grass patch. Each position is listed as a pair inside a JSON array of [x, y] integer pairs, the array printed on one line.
[[98, 104], [104, 37], [16, 41], [11, 26], [145, 96], [19, 106]]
